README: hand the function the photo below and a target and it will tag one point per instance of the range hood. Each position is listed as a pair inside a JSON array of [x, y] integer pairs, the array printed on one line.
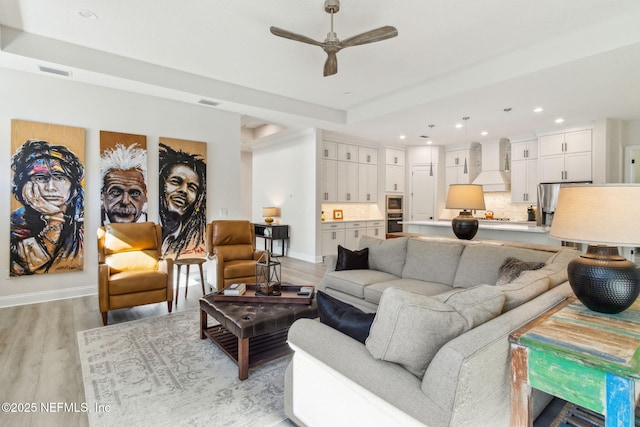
[[495, 159]]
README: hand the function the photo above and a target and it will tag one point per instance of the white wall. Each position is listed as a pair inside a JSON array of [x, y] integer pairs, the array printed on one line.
[[284, 176], [62, 101]]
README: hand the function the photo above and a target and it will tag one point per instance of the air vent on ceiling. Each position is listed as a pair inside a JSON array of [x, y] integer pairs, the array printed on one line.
[[54, 71], [207, 102]]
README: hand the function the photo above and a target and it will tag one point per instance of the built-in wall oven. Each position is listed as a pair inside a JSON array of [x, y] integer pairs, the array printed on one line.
[[395, 213]]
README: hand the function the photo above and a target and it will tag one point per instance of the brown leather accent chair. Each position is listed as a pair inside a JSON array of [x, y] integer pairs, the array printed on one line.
[[131, 271], [231, 243]]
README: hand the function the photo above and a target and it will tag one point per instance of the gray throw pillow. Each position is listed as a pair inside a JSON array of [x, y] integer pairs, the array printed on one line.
[[512, 267], [409, 329], [477, 305]]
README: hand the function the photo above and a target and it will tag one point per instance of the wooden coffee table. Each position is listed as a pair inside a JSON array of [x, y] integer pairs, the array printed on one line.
[[253, 331]]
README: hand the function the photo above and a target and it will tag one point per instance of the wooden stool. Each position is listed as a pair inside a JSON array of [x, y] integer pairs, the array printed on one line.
[[188, 262]]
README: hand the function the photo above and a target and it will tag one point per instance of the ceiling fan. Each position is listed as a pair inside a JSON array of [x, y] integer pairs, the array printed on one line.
[[332, 44]]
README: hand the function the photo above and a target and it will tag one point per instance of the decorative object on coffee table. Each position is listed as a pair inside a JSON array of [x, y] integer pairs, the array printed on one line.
[[601, 278], [467, 197], [268, 274]]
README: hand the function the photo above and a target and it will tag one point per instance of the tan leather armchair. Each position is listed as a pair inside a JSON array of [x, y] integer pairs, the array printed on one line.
[[131, 270], [231, 243]]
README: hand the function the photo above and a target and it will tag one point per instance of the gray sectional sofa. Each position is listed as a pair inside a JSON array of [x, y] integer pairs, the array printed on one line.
[[427, 298]]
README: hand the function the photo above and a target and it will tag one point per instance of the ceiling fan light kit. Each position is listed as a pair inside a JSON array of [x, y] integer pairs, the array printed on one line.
[[332, 45]]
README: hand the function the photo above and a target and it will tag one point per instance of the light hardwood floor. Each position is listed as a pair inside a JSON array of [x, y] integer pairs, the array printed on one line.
[[39, 360]]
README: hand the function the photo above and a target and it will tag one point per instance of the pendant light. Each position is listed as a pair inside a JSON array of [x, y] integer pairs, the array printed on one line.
[[465, 171]]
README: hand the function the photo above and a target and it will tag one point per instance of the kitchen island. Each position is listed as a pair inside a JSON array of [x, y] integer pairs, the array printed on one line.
[[527, 232]]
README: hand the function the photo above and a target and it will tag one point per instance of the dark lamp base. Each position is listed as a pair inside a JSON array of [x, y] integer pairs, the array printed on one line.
[[603, 280], [464, 226]]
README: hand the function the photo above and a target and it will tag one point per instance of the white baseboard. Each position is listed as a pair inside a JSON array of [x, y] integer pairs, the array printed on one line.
[[45, 296]]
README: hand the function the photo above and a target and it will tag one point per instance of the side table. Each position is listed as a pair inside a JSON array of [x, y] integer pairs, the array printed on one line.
[[270, 233], [188, 262], [582, 356]]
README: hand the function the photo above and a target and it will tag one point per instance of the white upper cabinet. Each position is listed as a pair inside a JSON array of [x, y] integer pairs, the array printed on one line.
[[329, 150], [368, 155], [394, 157], [348, 153], [565, 157]]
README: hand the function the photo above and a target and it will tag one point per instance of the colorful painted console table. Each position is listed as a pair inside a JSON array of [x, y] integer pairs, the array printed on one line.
[[588, 358]]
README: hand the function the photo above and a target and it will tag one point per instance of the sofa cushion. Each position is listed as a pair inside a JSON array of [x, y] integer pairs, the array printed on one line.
[[477, 305], [557, 273], [526, 287], [373, 292], [432, 261], [480, 263], [352, 260], [385, 255], [353, 282], [512, 267], [409, 329], [344, 317]]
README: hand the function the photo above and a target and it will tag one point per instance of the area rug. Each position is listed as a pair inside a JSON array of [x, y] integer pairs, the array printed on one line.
[[157, 371]]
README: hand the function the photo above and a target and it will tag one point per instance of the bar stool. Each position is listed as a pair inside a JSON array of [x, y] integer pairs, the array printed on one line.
[[188, 262]]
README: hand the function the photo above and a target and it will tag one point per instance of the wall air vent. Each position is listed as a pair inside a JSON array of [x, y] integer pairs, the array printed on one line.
[[54, 71], [209, 103]]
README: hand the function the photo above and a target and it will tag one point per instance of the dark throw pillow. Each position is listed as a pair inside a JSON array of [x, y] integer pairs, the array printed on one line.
[[344, 317], [352, 260], [512, 267]]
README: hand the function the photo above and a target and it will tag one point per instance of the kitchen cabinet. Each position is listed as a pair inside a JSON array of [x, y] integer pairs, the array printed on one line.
[[524, 172], [333, 234], [394, 170], [347, 182], [376, 229], [348, 153], [330, 150], [524, 181], [349, 173], [394, 157], [353, 231], [368, 155], [367, 183], [463, 165], [524, 150], [394, 181], [565, 157], [329, 180]]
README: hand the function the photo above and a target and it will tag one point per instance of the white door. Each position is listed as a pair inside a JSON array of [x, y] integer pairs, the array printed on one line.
[[423, 184]]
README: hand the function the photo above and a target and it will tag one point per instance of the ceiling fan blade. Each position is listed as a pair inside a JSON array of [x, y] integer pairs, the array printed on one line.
[[331, 64], [372, 36], [293, 36]]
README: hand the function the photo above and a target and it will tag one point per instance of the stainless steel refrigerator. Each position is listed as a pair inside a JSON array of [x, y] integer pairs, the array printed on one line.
[[548, 200]]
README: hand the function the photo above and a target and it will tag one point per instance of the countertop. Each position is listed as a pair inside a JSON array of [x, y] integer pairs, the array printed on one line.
[[527, 227], [327, 221]]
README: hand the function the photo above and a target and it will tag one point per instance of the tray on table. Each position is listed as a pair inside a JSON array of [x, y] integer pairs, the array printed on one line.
[[288, 295]]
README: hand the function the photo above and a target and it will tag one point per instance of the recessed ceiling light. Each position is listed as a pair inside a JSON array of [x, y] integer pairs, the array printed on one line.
[[429, 142], [458, 125], [484, 133], [403, 136], [559, 120], [87, 14], [538, 110]]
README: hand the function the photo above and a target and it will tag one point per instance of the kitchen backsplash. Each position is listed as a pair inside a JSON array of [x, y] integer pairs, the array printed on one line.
[[352, 211], [500, 204]]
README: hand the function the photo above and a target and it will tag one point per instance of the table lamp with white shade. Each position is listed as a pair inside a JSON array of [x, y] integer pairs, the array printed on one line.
[[604, 217], [269, 212], [467, 197]]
